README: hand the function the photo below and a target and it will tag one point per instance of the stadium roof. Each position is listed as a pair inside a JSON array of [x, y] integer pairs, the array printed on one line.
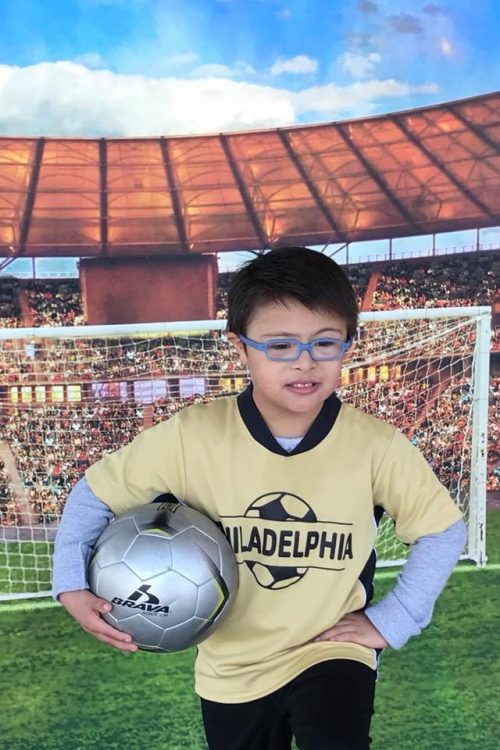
[[421, 171]]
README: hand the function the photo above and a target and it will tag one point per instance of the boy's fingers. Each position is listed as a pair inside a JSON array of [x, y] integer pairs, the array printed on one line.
[[349, 624], [130, 647], [98, 625], [328, 633], [115, 638], [337, 632]]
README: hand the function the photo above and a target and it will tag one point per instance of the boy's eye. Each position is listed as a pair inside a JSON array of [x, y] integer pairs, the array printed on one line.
[[279, 347], [327, 345], [323, 344]]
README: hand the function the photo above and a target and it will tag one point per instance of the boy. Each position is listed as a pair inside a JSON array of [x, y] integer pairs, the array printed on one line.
[[298, 653]]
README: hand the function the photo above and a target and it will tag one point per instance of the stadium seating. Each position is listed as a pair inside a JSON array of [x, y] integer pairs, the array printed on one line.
[[33, 433]]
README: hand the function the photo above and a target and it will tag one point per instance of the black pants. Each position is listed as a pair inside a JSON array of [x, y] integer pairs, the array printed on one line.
[[327, 707]]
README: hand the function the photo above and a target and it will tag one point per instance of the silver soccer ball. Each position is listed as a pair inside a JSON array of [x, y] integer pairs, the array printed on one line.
[[169, 573]]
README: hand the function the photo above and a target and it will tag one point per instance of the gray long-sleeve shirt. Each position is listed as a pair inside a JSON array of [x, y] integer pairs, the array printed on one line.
[[402, 613]]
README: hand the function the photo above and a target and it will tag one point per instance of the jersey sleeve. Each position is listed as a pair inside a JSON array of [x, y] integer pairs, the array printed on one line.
[[409, 491], [153, 463]]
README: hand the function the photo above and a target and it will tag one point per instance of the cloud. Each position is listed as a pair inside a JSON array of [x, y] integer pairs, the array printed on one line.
[[360, 66], [183, 58], [298, 64], [284, 14], [446, 47], [91, 60], [405, 23], [216, 70], [360, 97], [69, 100], [243, 68], [402, 38], [432, 9], [367, 6], [359, 39], [213, 70]]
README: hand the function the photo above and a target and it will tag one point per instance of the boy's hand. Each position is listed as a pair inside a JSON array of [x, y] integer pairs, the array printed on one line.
[[356, 628], [86, 608]]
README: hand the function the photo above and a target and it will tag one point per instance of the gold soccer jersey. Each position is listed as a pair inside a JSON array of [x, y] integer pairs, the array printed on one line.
[[302, 525]]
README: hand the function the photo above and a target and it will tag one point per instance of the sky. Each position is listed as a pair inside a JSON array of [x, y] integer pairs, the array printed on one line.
[[163, 67]]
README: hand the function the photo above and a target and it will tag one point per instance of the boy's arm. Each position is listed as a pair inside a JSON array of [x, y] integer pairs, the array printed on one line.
[[408, 607], [84, 519]]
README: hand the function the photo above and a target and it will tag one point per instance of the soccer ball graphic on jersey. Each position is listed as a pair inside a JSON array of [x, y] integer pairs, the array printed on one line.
[[278, 506], [169, 573]]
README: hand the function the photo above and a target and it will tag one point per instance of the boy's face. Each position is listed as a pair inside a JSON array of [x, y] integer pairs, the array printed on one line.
[[283, 406]]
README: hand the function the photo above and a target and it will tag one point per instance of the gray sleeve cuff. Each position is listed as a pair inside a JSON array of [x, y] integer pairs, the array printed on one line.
[[84, 519], [408, 608], [70, 568]]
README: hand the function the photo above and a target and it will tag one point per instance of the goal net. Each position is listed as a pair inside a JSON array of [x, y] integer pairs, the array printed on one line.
[[70, 395]]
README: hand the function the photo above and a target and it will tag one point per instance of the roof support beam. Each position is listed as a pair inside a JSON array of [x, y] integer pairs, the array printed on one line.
[[257, 226], [174, 194], [439, 165], [30, 196], [6, 262], [379, 181], [285, 139], [471, 126], [103, 196]]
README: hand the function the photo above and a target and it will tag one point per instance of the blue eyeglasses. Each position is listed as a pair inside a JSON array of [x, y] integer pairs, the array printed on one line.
[[289, 350]]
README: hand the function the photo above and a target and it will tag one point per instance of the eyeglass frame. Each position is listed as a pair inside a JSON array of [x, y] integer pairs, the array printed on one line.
[[346, 345]]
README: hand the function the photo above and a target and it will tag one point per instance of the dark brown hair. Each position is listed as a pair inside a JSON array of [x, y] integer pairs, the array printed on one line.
[[297, 273]]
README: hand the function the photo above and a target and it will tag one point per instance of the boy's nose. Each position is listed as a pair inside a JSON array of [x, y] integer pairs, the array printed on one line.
[[308, 358]]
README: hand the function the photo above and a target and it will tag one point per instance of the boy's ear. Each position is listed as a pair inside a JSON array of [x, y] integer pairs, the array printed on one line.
[[237, 343]]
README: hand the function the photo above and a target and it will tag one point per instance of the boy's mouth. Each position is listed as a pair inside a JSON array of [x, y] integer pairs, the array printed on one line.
[[301, 386]]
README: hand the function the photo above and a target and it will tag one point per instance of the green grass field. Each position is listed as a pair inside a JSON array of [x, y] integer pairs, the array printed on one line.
[[61, 690], [21, 570]]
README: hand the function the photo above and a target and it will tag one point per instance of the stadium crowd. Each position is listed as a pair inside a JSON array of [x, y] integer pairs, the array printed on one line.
[[8, 506], [10, 311], [55, 303], [53, 444], [456, 281], [464, 281]]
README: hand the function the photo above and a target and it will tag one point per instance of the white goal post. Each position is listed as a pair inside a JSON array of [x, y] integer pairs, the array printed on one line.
[[69, 395]]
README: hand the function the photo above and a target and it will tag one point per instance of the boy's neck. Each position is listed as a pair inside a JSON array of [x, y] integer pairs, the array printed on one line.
[[285, 425]]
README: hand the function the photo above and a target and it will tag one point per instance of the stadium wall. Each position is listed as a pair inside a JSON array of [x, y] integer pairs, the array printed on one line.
[[147, 290]]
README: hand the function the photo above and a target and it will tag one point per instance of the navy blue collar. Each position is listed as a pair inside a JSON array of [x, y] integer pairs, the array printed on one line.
[[259, 430]]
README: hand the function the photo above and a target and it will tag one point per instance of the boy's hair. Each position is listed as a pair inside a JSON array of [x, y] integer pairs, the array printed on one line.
[[297, 273]]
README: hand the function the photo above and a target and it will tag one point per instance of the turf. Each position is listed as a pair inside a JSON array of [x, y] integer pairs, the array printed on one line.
[[61, 690], [25, 567]]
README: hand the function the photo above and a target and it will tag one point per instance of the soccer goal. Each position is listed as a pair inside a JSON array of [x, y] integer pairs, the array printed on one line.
[[70, 395]]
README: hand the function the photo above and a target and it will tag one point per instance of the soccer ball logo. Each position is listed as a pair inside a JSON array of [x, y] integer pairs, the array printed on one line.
[[278, 506]]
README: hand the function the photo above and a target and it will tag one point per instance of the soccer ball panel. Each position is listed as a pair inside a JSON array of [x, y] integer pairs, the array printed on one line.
[[148, 556], [262, 574], [211, 599], [145, 633], [114, 542], [182, 637], [193, 561], [179, 594], [113, 581], [294, 507]]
